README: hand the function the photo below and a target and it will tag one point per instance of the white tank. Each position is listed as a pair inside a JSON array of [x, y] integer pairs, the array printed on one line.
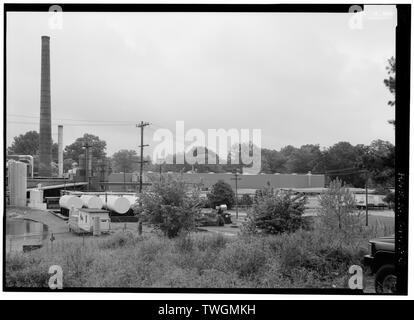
[[115, 203], [91, 201], [69, 201], [17, 183], [132, 199]]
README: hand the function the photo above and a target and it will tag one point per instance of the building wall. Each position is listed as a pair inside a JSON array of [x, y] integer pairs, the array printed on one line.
[[245, 182]]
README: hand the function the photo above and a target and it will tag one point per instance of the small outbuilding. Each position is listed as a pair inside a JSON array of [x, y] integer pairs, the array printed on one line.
[[89, 220]]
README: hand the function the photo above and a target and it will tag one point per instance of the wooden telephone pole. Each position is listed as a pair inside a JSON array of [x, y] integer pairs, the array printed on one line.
[[141, 160], [86, 145], [236, 178], [142, 125]]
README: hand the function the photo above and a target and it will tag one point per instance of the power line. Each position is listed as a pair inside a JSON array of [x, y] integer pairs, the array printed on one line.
[[69, 119], [78, 124]]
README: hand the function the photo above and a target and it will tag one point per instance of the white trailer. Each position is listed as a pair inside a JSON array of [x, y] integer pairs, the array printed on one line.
[[374, 200], [84, 220]]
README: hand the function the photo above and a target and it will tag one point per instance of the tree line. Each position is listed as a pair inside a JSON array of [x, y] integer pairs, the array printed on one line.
[[342, 160]]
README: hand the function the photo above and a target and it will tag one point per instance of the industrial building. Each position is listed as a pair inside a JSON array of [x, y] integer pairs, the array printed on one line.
[[128, 181]]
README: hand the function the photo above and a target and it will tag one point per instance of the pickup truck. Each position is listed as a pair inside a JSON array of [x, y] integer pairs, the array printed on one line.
[[381, 260]]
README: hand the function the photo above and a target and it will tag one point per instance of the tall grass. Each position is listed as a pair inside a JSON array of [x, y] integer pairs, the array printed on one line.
[[305, 258]]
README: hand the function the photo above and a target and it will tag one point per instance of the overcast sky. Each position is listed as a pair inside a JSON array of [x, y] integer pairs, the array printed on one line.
[[300, 78]]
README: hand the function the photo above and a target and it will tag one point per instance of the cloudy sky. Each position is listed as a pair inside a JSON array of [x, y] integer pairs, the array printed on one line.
[[300, 78]]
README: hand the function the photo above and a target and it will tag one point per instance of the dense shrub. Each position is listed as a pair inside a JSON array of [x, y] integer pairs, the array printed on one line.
[[276, 212], [317, 258], [170, 206], [246, 258], [390, 200], [221, 193], [25, 271], [118, 240], [246, 200]]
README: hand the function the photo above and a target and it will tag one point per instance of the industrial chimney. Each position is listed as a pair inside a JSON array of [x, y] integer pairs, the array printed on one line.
[[45, 132]]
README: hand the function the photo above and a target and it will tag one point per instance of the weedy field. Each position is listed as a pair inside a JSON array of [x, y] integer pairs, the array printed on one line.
[[303, 259]]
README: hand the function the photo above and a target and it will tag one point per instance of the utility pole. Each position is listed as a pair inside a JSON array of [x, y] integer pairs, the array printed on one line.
[[142, 125], [142, 161], [160, 164], [366, 198], [124, 179], [236, 178], [102, 171], [86, 145]]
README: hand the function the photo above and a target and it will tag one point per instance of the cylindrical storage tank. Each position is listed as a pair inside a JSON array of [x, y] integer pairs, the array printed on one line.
[[17, 183], [91, 201], [118, 204], [132, 199], [69, 201]]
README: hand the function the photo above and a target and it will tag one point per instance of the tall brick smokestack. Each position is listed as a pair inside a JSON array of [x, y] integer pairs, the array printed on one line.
[[45, 135]]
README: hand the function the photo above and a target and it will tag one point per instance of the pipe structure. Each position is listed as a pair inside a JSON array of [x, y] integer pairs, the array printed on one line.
[[60, 150], [45, 132]]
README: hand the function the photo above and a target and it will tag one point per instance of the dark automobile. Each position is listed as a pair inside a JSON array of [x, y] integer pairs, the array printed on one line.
[[381, 261]]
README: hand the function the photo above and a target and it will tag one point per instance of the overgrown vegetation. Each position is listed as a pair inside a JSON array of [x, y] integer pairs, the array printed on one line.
[[337, 206], [305, 258], [275, 212], [170, 206], [221, 193]]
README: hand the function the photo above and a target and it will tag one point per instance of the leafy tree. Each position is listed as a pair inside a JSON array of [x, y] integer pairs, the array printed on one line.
[[67, 164], [288, 151], [246, 200], [221, 193], [276, 212], [337, 205], [390, 200], [380, 161], [343, 156], [125, 161], [390, 82], [27, 143], [170, 206], [273, 161], [75, 149], [304, 159]]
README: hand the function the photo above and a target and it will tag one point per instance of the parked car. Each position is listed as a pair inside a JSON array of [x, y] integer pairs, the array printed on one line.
[[381, 261]]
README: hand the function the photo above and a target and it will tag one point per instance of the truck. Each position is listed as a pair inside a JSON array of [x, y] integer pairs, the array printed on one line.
[[381, 261]]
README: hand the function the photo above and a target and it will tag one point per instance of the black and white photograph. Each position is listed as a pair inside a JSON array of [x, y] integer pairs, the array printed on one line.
[[168, 148]]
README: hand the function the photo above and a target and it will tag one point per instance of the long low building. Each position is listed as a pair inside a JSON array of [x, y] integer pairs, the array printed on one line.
[[246, 181]]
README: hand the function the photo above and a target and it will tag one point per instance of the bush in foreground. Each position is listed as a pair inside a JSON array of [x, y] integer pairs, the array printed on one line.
[[169, 205], [276, 212], [300, 259], [221, 193]]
